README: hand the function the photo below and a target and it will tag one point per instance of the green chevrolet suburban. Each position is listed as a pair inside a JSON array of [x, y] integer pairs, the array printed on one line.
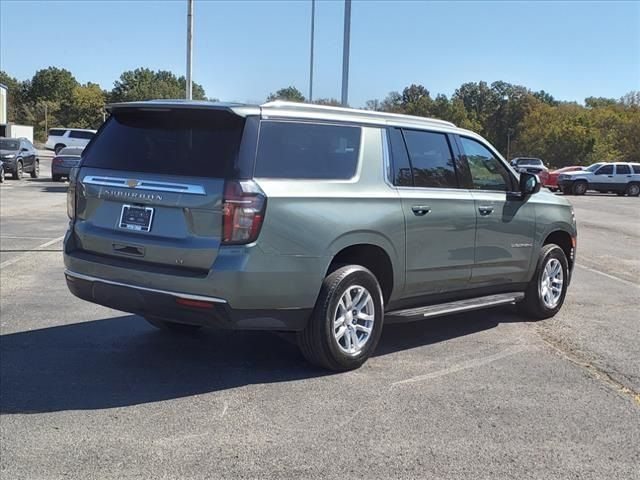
[[323, 221]]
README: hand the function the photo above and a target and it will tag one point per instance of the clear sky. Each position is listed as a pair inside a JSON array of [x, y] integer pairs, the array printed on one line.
[[245, 50]]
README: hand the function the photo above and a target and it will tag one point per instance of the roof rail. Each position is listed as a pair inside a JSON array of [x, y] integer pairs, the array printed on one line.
[[351, 111]]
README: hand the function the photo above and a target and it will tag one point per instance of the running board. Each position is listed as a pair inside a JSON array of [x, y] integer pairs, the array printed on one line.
[[459, 306]]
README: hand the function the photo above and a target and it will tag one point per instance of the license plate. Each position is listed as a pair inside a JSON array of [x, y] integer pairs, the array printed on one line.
[[136, 218]]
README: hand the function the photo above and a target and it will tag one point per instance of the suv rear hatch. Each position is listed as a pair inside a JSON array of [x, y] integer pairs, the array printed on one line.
[[151, 184]]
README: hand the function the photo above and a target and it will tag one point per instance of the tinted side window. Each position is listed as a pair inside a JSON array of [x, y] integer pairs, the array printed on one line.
[[487, 172], [431, 159], [401, 168], [636, 168], [307, 150], [84, 135], [606, 170], [56, 132], [623, 169]]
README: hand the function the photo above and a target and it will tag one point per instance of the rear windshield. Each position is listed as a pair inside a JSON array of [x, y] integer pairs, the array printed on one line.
[[529, 161], [173, 142], [307, 150]]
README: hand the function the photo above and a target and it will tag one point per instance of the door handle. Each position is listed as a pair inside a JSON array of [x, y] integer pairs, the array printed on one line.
[[485, 210], [420, 210]]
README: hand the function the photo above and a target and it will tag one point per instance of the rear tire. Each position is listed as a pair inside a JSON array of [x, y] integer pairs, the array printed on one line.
[[172, 326], [35, 173], [332, 338], [580, 188], [633, 189], [535, 304]]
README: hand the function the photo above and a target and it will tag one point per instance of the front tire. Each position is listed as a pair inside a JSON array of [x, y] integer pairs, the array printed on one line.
[[547, 289], [346, 323], [18, 172], [35, 173], [172, 326], [580, 188]]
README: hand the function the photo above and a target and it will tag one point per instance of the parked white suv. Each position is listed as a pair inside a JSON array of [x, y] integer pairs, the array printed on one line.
[[60, 138], [620, 178]]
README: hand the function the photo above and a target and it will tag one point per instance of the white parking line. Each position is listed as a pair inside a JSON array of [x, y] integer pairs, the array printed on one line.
[[13, 260], [612, 277]]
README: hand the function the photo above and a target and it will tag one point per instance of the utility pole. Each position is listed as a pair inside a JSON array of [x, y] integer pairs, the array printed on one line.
[[189, 47], [313, 21], [509, 133], [345, 52], [46, 119]]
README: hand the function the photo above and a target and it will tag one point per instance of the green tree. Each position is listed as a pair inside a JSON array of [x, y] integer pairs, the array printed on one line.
[[17, 101], [86, 107], [416, 100], [145, 84], [291, 94], [334, 102], [52, 84]]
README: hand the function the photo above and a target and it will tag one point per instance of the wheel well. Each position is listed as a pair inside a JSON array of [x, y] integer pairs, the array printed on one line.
[[563, 240], [369, 256]]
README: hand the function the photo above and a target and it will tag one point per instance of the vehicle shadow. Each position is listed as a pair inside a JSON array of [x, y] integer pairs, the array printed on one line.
[[54, 189], [122, 361]]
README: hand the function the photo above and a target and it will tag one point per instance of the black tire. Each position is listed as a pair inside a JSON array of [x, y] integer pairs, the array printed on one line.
[[633, 189], [56, 178], [172, 326], [533, 305], [580, 188], [18, 172], [58, 147], [317, 341], [35, 173]]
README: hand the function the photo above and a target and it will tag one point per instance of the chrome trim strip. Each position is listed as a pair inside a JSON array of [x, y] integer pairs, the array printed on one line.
[[145, 184], [186, 296]]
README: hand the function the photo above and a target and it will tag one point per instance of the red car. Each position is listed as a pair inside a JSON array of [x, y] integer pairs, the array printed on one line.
[[551, 182]]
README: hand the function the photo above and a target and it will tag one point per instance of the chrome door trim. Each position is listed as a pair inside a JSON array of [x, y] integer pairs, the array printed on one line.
[[70, 275], [144, 184]]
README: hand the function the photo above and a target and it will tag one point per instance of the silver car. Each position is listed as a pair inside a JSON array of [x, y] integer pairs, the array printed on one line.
[[66, 159]]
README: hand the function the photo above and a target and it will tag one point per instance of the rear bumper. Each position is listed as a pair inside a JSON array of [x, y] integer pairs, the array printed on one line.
[[59, 170], [164, 304]]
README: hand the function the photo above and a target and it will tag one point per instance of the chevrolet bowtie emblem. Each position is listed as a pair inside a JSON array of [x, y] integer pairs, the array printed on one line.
[[133, 183]]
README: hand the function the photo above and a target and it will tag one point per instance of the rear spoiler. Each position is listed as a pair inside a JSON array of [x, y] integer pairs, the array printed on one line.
[[240, 109]]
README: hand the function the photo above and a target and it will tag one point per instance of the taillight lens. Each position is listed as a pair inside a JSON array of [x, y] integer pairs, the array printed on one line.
[[243, 209], [71, 202]]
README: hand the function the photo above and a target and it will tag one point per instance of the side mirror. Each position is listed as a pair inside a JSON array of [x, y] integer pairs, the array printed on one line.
[[529, 184]]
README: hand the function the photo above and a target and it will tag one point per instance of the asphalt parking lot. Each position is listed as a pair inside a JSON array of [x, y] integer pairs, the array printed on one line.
[[89, 392]]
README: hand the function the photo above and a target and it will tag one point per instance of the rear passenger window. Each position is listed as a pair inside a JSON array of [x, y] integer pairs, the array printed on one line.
[[487, 172], [56, 132], [623, 169], [636, 168], [84, 135], [307, 150], [431, 159]]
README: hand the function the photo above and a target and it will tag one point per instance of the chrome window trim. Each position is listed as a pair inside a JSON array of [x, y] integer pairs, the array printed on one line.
[[144, 184], [386, 158], [187, 296]]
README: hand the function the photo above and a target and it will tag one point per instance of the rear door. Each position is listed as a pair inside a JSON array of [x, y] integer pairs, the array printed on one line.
[[505, 226], [152, 182], [623, 175], [439, 216]]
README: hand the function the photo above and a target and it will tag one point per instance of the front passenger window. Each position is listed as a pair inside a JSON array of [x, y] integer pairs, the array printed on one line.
[[606, 170], [487, 172]]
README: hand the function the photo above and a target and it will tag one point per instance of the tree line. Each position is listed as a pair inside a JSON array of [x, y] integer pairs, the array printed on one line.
[[515, 119]]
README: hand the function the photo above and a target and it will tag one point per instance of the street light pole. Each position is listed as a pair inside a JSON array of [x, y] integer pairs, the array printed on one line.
[[313, 21], [345, 52], [189, 47]]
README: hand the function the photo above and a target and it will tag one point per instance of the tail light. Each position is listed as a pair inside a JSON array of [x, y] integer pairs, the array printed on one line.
[[71, 193], [243, 209]]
